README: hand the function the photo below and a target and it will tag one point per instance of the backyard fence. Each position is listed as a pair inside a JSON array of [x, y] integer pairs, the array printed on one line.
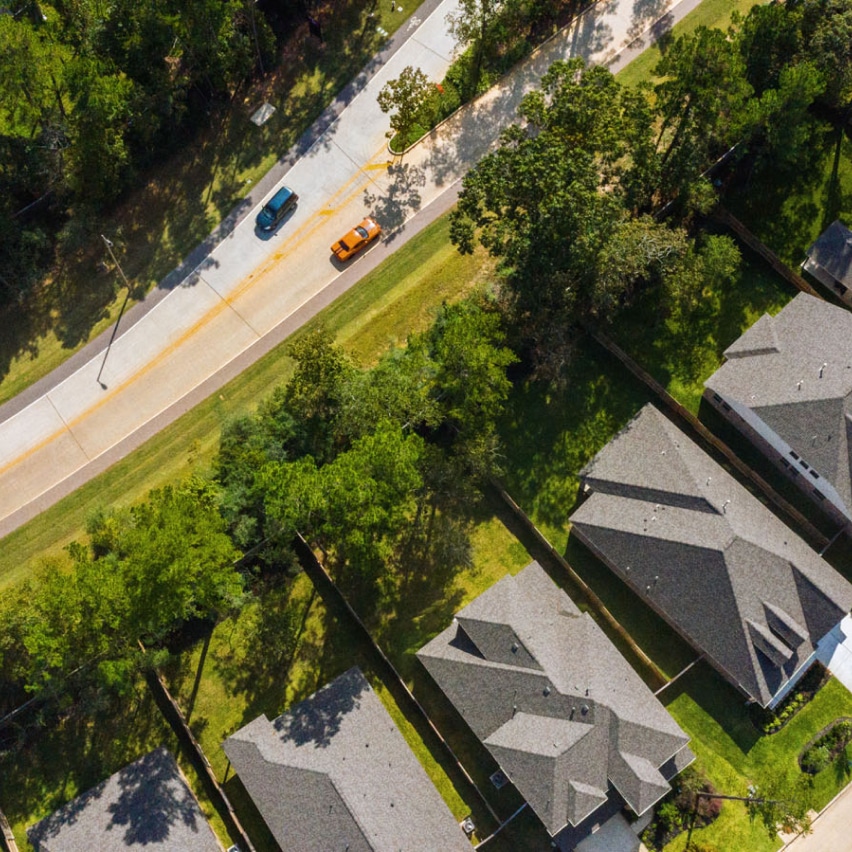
[[720, 214], [591, 598], [337, 602], [8, 839], [699, 429], [174, 716]]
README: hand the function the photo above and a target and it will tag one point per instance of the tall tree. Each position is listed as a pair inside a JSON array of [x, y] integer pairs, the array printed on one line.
[[405, 98], [703, 103]]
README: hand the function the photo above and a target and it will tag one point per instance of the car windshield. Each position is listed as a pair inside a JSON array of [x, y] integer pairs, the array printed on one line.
[[362, 232]]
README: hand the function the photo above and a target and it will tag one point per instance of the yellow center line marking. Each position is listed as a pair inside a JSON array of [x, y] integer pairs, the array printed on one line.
[[301, 235]]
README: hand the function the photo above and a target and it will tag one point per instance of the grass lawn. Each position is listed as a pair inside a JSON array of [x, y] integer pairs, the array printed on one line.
[[284, 645], [733, 755], [394, 300], [68, 758], [157, 225], [789, 211], [682, 355], [711, 13]]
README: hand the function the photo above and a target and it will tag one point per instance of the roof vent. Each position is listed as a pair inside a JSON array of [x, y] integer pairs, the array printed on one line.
[[547, 690], [514, 647], [584, 709]]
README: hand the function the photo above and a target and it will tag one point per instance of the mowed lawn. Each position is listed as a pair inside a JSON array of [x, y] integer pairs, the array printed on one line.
[[733, 754], [788, 211], [393, 301]]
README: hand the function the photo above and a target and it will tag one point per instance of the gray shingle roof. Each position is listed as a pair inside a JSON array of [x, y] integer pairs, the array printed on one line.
[[728, 574], [802, 389], [334, 773], [833, 252], [552, 699], [146, 805]]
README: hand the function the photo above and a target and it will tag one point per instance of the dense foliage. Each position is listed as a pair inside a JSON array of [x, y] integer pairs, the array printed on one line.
[[373, 465], [143, 572], [563, 201], [95, 92]]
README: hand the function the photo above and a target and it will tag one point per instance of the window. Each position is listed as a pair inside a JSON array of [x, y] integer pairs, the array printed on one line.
[[819, 494], [793, 454], [814, 474], [793, 472], [803, 463], [726, 406], [717, 397], [785, 462]]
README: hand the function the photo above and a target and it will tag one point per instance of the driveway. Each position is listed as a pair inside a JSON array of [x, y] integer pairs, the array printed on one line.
[[248, 293], [835, 652], [830, 828]]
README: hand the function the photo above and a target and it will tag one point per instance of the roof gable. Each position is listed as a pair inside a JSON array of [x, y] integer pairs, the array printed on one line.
[[760, 339], [832, 250], [737, 582], [145, 806], [334, 772], [550, 726]]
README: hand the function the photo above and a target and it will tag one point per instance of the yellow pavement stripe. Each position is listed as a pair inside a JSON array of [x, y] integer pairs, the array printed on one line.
[[301, 235]]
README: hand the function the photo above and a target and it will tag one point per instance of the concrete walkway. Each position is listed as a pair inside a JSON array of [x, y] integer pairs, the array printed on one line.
[[830, 827], [248, 293]]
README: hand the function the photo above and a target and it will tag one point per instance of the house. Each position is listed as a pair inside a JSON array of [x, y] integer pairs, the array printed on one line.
[[334, 774], [787, 385], [146, 806], [731, 578], [829, 260], [567, 719]]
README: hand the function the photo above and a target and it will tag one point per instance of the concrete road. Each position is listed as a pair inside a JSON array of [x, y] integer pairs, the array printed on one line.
[[251, 291], [830, 828]]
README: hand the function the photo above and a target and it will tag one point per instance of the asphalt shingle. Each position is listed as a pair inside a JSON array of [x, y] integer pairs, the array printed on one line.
[[734, 580], [800, 391], [552, 699], [145, 806], [334, 773]]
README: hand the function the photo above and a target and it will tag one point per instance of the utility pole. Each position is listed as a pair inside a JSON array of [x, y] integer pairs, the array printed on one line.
[[108, 244]]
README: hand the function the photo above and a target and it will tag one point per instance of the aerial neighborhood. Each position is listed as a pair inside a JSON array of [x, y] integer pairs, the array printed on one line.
[[426, 426]]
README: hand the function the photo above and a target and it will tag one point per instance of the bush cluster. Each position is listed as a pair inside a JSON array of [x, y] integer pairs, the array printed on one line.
[[674, 814], [772, 721], [829, 745]]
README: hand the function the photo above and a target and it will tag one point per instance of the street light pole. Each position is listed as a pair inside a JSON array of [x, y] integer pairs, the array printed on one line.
[[108, 244]]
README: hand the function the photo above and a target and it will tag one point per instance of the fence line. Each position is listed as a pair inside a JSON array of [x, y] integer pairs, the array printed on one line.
[[6, 834], [330, 593], [708, 437], [174, 716], [585, 589], [721, 214]]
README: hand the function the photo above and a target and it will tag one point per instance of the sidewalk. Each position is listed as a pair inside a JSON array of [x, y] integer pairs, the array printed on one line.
[[830, 827], [247, 292]]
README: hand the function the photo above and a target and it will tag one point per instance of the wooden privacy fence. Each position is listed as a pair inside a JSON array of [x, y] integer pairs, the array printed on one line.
[[8, 839], [697, 427], [337, 602], [591, 598], [174, 716], [720, 214]]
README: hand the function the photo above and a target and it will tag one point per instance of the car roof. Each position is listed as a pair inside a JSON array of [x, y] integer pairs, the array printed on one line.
[[279, 198]]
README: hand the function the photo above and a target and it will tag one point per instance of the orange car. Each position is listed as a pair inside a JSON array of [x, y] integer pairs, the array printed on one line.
[[358, 238]]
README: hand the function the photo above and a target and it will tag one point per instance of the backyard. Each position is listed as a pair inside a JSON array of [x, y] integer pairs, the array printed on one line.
[[285, 643]]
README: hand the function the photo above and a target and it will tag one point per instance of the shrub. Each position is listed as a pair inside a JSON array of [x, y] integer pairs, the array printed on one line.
[[828, 745]]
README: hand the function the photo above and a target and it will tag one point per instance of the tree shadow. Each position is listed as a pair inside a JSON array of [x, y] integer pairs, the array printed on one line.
[[647, 12], [318, 719], [400, 199], [61, 758], [549, 433], [255, 660]]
